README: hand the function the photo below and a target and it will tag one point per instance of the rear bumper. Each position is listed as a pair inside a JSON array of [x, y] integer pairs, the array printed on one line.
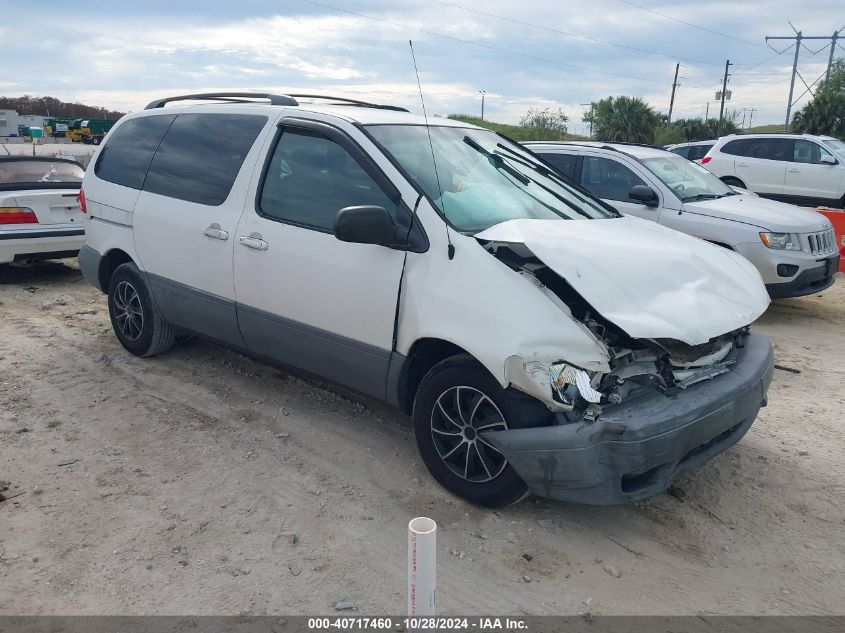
[[40, 243], [636, 449], [89, 264], [810, 281]]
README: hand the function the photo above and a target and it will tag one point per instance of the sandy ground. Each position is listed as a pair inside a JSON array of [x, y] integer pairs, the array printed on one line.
[[203, 482]]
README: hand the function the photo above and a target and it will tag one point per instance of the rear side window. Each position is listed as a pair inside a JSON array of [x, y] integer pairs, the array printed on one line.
[[124, 160], [681, 151], [774, 149], [697, 152], [310, 178], [201, 155], [738, 147], [564, 163]]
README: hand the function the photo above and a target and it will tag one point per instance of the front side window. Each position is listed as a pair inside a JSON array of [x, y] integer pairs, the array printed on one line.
[[686, 179], [310, 178], [838, 148], [808, 152], [478, 179], [780, 149], [609, 179], [200, 156], [125, 158]]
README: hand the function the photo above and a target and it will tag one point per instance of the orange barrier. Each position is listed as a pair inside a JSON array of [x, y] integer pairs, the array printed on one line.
[[837, 218]]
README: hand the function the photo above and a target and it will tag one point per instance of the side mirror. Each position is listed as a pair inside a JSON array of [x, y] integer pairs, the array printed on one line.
[[644, 194], [827, 159], [365, 225]]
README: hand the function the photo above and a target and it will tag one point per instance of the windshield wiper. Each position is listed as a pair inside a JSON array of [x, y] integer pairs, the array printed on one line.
[[497, 161], [703, 196]]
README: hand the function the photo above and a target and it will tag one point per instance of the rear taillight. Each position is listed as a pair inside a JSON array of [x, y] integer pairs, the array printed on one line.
[[81, 198], [706, 160], [17, 215]]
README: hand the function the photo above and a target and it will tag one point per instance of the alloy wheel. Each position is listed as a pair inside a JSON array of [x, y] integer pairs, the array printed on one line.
[[127, 311]]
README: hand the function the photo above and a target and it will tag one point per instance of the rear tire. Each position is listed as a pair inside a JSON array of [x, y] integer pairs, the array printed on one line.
[[456, 397], [136, 320], [734, 182]]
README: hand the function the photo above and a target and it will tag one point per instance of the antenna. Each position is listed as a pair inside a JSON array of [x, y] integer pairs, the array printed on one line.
[[451, 248]]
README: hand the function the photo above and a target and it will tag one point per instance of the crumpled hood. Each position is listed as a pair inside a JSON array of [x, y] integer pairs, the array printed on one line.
[[767, 214], [650, 281]]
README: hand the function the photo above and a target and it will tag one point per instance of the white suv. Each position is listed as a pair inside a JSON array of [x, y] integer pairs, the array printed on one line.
[[804, 169], [530, 329], [794, 249]]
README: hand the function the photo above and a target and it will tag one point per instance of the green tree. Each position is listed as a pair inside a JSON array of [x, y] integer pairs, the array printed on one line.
[[825, 114], [545, 124], [623, 120], [684, 130]]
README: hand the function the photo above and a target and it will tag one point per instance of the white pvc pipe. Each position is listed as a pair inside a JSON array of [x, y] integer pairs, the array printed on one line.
[[422, 566]]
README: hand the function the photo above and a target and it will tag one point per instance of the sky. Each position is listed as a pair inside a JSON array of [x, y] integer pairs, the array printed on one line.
[[526, 54]]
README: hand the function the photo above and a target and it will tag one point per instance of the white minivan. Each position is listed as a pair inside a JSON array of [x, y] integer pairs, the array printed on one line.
[[541, 341]]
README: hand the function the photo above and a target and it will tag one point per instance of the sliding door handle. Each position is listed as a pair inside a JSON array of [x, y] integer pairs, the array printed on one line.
[[254, 240], [215, 232]]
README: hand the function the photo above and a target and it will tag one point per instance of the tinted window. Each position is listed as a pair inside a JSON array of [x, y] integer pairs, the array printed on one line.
[[564, 163], [125, 158], [201, 155], [606, 178], [681, 151], [310, 178], [697, 152], [808, 152], [737, 147], [773, 148]]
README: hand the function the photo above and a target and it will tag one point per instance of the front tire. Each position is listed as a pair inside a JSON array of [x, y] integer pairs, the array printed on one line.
[[136, 320], [456, 402]]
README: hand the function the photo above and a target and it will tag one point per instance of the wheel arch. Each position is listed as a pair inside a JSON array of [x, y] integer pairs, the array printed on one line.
[[109, 263], [424, 354], [733, 180]]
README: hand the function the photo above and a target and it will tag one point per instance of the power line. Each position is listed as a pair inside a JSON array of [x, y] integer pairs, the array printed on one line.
[[695, 26], [482, 45], [571, 34]]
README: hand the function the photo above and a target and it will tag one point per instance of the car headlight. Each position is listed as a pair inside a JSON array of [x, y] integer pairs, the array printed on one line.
[[781, 241]]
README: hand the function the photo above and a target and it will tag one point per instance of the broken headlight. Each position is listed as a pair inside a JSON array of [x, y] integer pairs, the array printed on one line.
[[568, 382], [781, 241]]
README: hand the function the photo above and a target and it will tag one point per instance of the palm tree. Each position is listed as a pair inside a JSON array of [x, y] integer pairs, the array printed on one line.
[[623, 119]]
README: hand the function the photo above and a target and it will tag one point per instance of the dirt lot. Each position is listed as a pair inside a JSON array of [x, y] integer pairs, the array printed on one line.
[[203, 482]]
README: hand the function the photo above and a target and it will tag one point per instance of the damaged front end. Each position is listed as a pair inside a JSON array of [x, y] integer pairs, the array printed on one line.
[[634, 367]]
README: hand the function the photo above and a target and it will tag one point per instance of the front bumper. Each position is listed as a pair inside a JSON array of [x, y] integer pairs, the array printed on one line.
[[40, 243], [635, 450], [807, 282]]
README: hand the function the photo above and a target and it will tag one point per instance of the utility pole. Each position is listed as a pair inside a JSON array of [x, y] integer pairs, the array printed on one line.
[[800, 37], [724, 92], [742, 125], [674, 85], [833, 39], [592, 105], [707, 112], [751, 112], [482, 93]]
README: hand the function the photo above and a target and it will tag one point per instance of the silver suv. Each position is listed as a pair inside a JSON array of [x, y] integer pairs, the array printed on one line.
[[794, 249], [804, 169]]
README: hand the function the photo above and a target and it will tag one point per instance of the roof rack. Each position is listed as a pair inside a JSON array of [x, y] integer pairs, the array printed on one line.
[[354, 102], [274, 99], [233, 97]]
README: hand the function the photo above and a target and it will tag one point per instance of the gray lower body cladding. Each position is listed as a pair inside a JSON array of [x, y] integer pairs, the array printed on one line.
[[635, 450]]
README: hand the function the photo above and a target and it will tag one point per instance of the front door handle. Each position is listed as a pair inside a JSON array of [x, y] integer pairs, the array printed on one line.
[[794, 170], [254, 240], [742, 164], [215, 232]]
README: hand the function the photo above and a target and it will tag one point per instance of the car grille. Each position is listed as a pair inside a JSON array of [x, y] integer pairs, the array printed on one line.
[[823, 243]]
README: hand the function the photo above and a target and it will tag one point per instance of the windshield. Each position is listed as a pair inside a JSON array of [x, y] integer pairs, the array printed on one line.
[[18, 173], [837, 147], [481, 179], [689, 181]]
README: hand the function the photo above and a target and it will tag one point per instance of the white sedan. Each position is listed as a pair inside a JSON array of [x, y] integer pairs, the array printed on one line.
[[40, 216]]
